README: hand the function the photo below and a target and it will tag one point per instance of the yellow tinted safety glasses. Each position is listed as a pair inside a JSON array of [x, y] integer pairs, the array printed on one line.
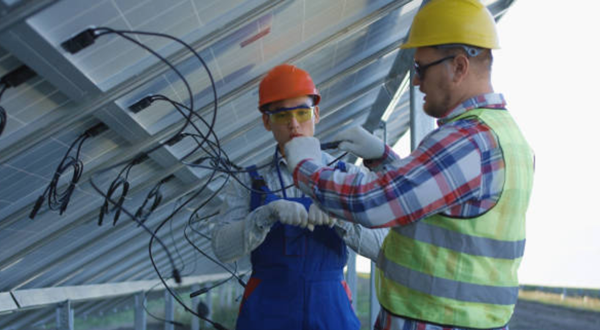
[[283, 116]]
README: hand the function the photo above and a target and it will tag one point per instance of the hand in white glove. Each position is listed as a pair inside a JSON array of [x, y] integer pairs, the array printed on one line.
[[361, 143], [289, 213], [317, 217], [301, 148]]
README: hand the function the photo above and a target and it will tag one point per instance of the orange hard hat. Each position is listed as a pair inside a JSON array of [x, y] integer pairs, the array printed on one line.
[[283, 82]]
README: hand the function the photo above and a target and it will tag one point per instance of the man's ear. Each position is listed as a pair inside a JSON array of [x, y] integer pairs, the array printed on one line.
[[460, 68], [266, 122], [317, 117]]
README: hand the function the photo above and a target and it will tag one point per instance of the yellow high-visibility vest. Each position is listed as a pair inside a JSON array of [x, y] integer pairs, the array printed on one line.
[[463, 272]]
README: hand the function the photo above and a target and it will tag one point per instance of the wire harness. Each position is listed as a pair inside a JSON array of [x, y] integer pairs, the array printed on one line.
[[12, 79], [59, 200]]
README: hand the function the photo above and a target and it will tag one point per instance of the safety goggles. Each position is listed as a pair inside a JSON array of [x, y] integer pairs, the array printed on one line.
[[421, 68], [283, 116]]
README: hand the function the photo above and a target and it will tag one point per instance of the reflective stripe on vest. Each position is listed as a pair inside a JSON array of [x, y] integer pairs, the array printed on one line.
[[473, 245], [463, 272]]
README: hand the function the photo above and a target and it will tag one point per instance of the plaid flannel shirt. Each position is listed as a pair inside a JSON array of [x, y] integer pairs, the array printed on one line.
[[457, 170]]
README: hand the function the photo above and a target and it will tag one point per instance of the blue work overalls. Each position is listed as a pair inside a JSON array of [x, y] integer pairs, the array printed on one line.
[[297, 276]]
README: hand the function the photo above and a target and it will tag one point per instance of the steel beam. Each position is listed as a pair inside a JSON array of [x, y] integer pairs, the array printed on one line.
[[76, 112]]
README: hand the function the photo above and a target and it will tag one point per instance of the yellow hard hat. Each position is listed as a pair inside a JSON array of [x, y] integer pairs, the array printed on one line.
[[441, 22]]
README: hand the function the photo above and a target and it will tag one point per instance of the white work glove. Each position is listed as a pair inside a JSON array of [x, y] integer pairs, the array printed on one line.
[[300, 148], [316, 217], [289, 213], [361, 143]]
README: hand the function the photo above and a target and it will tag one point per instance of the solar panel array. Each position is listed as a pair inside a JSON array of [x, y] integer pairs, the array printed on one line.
[[349, 47]]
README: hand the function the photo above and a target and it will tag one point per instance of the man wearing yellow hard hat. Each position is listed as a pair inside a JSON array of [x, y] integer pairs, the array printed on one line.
[[457, 203]]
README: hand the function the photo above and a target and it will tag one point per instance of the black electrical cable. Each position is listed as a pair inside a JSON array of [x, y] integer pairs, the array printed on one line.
[[175, 272], [124, 33], [153, 262], [173, 322], [3, 116], [178, 106], [188, 120], [13, 78], [189, 225], [119, 182], [232, 272], [174, 242], [60, 200], [198, 219], [218, 159], [232, 173], [155, 196], [215, 159]]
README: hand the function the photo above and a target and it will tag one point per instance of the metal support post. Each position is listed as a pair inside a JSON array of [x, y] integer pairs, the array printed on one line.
[[351, 276], [169, 310], [195, 301], [222, 295], [209, 304], [420, 123], [373, 303], [140, 313], [230, 291], [65, 316]]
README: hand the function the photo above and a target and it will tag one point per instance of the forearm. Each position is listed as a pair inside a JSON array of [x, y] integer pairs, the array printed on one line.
[[364, 241], [232, 240], [406, 191]]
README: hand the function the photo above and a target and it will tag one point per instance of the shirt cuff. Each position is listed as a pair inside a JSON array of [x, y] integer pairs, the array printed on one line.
[[388, 156]]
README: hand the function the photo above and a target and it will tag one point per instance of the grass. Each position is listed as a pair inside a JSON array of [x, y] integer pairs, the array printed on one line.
[[581, 302]]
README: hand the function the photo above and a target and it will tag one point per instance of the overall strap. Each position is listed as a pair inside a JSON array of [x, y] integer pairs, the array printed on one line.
[[258, 184]]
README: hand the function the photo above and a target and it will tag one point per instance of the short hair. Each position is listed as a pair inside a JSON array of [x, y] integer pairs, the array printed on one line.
[[476, 54]]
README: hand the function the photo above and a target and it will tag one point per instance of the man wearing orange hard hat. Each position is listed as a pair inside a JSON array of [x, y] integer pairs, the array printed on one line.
[[297, 252], [457, 203]]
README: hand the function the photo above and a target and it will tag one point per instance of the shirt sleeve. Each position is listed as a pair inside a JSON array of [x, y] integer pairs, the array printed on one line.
[[238, 230], [364, 241], [444, 171]]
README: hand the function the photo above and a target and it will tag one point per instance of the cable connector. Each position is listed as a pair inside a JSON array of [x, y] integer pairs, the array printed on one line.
[[139, 159], [168, 178], [17, 76], [141, 104], [80, 41], [37, 206], [96, 130], [199, 292], [175, 139], [176, 276]]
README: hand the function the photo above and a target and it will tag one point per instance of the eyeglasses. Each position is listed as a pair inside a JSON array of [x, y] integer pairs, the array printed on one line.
[[420, 69], [283, 116]]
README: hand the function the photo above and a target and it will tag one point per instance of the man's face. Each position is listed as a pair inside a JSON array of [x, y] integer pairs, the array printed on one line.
[[435, 82], [284, 132]]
